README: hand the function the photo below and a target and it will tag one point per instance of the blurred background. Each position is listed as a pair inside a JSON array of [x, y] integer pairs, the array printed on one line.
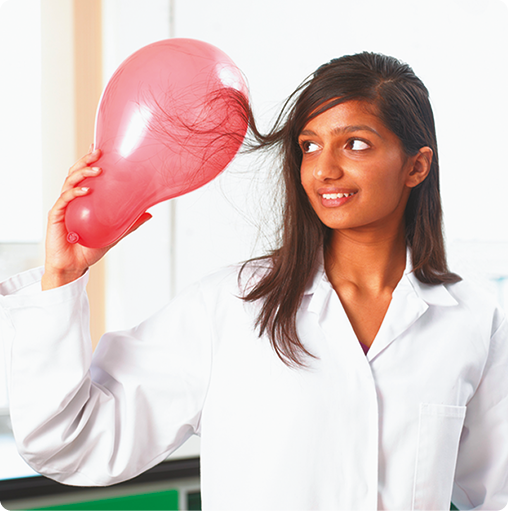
[[56, 56]]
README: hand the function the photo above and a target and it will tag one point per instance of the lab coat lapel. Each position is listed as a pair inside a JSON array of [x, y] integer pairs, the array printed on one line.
[[332, 318], [405, 308], [410, 300]]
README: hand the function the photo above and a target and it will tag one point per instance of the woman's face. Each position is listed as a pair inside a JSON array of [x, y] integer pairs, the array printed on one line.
[[354, 169]]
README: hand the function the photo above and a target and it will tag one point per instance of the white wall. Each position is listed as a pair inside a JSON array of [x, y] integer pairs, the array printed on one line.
[[20, 126]]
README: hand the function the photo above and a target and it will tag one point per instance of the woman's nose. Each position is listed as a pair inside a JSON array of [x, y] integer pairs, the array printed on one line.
[[328, 166]]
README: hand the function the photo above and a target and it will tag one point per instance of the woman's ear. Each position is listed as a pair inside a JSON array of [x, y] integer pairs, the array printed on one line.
[[420, 167]]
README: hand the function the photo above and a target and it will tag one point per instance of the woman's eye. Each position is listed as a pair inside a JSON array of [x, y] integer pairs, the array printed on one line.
[[358, 145], [309, 147]]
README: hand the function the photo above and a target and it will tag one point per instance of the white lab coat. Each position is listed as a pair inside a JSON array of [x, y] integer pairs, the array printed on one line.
[[423, 415]]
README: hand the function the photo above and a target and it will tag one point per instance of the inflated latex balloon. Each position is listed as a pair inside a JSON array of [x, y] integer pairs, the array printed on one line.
[[172, 117]]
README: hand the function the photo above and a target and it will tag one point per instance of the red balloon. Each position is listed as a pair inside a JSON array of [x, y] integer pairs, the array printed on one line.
[[171, 118]]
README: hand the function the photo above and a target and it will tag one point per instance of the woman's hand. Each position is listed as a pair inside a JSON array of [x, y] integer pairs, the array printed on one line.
[[65, 261]]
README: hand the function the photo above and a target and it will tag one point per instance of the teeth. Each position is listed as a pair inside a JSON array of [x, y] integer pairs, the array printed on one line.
[[336, 195]]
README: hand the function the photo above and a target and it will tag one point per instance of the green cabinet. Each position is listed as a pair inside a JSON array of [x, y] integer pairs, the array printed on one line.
[[160, 501]]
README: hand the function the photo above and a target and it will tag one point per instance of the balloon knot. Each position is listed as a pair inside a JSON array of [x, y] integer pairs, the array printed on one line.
[[72, 237]]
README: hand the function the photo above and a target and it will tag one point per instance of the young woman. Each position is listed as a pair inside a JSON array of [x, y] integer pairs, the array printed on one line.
[[348, 369]]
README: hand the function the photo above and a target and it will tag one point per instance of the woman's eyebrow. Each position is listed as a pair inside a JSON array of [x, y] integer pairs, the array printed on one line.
[[307, 133], [350, 129], [344, 129]]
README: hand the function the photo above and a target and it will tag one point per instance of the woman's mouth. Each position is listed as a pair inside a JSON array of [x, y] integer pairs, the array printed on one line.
[[336, 195], [333, 200]]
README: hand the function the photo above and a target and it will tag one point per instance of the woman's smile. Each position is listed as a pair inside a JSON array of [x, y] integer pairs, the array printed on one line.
[[332, 199]]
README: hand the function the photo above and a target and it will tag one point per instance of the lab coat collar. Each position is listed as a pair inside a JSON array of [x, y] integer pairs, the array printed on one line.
[[319, 287], [436, 294], [410, 300]]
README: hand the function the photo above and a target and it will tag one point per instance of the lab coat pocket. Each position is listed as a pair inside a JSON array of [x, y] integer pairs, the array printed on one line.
[[439, 432]]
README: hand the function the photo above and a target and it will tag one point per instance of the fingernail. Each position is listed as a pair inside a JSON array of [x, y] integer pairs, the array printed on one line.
[[95, 169], [84, 189]]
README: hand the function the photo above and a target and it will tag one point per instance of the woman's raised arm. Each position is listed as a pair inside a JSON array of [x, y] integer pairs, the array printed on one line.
[[65, 261]]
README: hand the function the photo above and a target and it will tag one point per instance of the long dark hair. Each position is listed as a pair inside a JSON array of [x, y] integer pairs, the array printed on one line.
[[403, 105]]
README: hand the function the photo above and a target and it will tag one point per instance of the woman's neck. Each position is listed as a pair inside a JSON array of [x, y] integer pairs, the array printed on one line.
[[372, 262]]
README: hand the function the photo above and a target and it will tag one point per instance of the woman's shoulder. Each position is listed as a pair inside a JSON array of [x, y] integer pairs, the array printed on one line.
[[220, 294], [478, 300], [237, 278]]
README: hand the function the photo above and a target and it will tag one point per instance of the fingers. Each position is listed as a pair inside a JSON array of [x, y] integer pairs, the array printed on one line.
[[70, 190], [77, 176], [57, 212], [88, 159], [82, 168]]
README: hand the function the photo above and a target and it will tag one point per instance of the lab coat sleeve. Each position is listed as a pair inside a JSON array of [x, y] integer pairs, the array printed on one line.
[[481, 477], [93, 421]]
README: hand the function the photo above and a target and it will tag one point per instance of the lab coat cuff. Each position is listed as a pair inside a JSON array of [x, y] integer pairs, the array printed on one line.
[[24, 289]]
